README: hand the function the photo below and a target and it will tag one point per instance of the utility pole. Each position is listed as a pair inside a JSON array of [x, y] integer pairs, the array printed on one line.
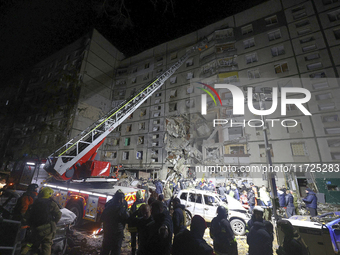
[[260, 97]]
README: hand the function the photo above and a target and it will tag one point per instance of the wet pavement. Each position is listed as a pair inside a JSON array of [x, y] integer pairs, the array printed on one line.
[[93, 242]]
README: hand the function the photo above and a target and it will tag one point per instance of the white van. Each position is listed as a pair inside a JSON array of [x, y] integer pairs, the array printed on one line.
[[205, 203]]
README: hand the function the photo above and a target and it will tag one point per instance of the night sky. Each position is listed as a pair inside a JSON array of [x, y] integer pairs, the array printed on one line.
[[31, 30]]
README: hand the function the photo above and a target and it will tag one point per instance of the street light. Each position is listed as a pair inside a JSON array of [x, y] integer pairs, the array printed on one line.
[[261, 98]]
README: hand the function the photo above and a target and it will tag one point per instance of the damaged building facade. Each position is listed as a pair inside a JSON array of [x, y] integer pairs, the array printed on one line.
[[280, 43]]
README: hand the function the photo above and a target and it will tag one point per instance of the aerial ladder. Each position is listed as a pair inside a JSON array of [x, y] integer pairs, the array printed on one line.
[[63, 163]]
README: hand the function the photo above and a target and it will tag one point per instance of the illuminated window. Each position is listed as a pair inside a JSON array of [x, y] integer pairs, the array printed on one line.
[[298, 149], [281, 68]]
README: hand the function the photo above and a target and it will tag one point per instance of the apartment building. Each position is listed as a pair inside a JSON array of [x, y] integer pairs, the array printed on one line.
[[278, 44]]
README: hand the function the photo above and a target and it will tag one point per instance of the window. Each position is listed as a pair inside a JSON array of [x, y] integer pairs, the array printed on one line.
[[291, 129], [225, 47], [335, 155], [317, 75], [291, 107], [173, 93], [253, 74], [262, 149], [157, 101], [334, 16], [184, 196], [158, 94], [173, 56], [312, 56], [247, 29], [190, 75], [190, 103], [314, 66], [333, 143], [302, 23], [307, 39], [279, 50], [330, 118], [141, 126], [154, 129], [298, 149], [110, 154], [147, 65], [249, 43], [158, 107], [173, 80], [304, 31], [271, 20], [155, 122], [133, 80], [321, 85], [236, 149], [230, 79], [146, 77], [140, 140], [155, 136], [323, 96], [190, 90], [157, 114], [127, 141], [190, 62], [155, 144], [251, 58], [142, 112], [336, 33], [274, 35], [129, 128], [309, 48], [139, 155], [172, 107], [331, 131], [326, 2], [125, 155], [130, 116], [281, 68], [326, 106], [299, 8], [225, 33], [227, 61], [299, 15], [284, 84]]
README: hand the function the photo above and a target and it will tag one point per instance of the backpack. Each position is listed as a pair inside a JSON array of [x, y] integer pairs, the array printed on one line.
[[40, 212]]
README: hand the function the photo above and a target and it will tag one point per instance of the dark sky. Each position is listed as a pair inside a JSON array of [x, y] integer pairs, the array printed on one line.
[[31, 30]]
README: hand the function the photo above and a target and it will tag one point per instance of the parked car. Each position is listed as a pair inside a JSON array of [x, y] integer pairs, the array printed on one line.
[[205, 203]]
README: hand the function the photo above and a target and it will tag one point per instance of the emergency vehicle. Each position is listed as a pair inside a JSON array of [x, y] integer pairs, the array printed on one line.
[[82, 184]]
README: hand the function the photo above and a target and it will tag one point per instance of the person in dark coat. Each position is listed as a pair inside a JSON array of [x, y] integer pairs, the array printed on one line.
[[290, 211], [178, 218], [222, 234], [159, 187], [114, 218], [143, 220], [251, 199], [160, 230], [281, 194], [290, 246], [311, 202], [192, 242]]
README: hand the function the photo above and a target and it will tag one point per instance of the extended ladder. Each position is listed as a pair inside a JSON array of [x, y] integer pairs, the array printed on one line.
[[62, 160]]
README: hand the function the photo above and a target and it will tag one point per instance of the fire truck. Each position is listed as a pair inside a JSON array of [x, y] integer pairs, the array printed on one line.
[[82, 184]]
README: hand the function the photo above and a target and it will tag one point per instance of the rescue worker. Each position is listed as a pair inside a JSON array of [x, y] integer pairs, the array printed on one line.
[[222, 234], [192, 242], [260, 237], [290, 246], [25, 201], [131, 226], [290, 208], [42, 217], [114, 218], [311, 202], [178, 216]]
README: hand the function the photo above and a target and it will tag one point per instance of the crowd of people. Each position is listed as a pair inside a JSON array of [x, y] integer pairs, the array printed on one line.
[[160, 232]]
